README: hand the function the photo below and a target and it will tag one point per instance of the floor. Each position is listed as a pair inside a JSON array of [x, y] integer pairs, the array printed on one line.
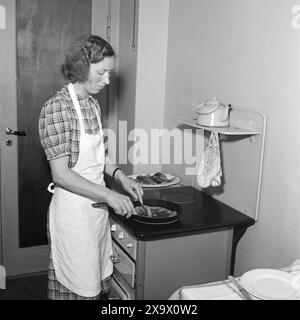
[[32, 287]]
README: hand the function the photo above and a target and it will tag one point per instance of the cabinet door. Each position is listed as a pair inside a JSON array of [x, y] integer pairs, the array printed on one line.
[[124, 265]]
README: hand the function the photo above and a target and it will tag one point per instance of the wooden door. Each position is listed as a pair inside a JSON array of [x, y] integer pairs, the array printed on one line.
[[32, 47], [44, 31]]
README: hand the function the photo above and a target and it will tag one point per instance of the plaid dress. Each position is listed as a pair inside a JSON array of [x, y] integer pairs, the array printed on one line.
[[59, 128], [56, 291], [59, 132]]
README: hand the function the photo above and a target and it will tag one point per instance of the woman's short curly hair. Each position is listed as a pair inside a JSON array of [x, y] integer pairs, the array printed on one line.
[[86, 50]]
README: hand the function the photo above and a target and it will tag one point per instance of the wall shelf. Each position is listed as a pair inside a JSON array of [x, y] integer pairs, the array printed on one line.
[[231, 130], [242, 154]]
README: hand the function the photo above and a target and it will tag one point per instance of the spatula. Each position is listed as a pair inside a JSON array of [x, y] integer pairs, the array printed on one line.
[[148, 210]]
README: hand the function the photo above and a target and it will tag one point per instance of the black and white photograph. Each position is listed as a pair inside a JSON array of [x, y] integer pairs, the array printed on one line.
[[149, 151]]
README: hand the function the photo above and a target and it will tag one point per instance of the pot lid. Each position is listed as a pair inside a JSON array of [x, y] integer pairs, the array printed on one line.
[[208, 106]]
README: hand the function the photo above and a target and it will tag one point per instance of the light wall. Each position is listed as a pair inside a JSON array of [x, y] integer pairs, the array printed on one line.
[[246, 53], [151, 74], [106, 12]]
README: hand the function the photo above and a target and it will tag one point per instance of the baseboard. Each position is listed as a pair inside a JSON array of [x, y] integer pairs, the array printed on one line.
[[25, 275]]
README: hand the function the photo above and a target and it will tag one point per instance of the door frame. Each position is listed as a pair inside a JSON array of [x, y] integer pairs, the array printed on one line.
[[16, 260], [1, 248], [32, 259]]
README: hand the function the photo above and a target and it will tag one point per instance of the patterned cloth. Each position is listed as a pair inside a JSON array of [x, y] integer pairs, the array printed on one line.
[[56, 291], [59, 128], [210, 171]]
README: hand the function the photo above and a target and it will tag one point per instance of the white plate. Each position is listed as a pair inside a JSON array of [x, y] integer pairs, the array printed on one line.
[[269, 284], [173, 180]]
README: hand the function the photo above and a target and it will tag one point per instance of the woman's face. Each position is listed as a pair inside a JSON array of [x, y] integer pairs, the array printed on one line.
[[99, 75]]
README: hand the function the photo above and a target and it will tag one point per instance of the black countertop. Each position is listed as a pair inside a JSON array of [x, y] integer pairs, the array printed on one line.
[[200, 213]]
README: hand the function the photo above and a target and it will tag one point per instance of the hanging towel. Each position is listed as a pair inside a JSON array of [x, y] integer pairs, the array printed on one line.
[[210, 171], [2, 277]]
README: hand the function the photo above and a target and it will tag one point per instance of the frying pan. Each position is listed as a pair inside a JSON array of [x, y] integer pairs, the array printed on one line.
[[157, 203], [153, 203]]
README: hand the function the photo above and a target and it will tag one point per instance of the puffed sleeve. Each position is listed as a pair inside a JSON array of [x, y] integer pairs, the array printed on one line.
[[54, 130]]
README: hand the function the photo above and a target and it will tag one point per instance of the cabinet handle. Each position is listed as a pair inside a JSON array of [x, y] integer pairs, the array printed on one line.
[[115, 258], [133, 44]]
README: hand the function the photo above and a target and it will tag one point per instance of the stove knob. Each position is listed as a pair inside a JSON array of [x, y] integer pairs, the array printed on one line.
[[129, 245], [113, 227], [121, 235]]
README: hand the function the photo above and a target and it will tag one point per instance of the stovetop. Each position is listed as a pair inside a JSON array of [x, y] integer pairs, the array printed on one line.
[[200, 213]]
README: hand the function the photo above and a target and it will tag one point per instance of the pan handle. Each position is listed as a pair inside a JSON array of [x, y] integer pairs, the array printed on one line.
[[99, 204]]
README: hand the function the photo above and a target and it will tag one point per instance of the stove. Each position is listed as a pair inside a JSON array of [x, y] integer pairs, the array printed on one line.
[[152, 261]]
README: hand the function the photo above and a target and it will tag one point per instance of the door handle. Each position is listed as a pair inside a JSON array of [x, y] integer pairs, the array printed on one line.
[[16, 133]]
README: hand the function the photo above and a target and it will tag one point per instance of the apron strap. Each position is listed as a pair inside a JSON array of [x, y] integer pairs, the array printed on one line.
[[98, 118], [77, 107]]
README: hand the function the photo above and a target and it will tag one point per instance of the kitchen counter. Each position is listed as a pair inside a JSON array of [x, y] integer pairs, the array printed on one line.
[[200, 214]]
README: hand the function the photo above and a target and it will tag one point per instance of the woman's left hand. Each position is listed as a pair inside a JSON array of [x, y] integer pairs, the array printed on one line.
[[132, 187]]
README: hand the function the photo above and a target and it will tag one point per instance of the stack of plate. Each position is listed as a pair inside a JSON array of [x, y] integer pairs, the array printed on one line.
[[270, 284]]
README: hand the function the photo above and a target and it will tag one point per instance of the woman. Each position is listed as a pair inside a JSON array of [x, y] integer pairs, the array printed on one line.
[[72, 137]]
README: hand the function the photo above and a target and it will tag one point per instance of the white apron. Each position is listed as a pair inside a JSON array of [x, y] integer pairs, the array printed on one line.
[[81, 242]]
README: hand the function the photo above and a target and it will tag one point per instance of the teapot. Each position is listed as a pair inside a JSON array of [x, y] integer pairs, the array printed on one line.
[[212, 113]]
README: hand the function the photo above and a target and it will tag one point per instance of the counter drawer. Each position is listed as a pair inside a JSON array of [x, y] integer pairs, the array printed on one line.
[[123, 238], [124, 265]]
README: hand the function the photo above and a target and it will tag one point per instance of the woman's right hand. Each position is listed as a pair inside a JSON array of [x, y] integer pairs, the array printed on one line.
[[121, 204]]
